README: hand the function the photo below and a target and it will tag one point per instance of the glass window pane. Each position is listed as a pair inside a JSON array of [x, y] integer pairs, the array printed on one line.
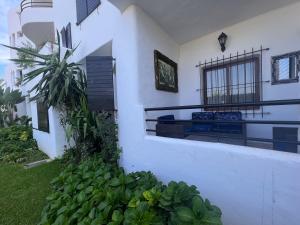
[[283, 69], [43, 117], [238, 86], [242, 83], [216, 88]]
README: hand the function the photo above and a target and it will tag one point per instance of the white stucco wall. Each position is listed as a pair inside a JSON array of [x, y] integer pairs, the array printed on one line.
[[156, 39], [251, 186], [93, 32]]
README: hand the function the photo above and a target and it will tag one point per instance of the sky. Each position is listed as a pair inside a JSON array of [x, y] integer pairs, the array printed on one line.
[[5, 5]]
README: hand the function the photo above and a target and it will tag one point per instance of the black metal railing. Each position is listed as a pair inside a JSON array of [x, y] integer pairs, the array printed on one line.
[[243, 138], [36, 4]]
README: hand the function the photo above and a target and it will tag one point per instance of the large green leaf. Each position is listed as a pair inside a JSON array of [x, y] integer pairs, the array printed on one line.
[[185, 214]]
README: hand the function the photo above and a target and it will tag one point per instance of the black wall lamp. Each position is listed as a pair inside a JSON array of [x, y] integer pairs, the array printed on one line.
[[222, 40]]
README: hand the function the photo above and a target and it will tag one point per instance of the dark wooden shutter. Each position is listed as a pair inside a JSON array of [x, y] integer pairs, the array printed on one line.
[[82, 12], [69, 36], [100, 88], [92, 5], [63, 37]]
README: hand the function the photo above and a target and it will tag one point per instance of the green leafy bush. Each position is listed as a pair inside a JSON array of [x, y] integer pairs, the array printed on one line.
[[93, 132], [8, 100], [96, 193], [18, 146]]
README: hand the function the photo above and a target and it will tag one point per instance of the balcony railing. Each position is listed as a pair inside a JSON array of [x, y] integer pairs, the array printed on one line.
[[182, 128], [36, 4]]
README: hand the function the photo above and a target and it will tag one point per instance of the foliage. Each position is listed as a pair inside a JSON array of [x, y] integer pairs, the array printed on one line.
[[98, 193], [18, 146], [62, 84], [8, 100], [23, 120], [25, 60], [23, 192], [93, 132]]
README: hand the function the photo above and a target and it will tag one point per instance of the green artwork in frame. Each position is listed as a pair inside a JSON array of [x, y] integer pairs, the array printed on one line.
[[166, 75]]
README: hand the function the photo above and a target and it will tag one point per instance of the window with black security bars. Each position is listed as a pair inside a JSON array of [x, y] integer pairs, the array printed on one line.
[[236, 80]]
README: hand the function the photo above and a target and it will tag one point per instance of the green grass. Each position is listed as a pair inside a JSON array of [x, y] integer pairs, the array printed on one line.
[[23, 192]]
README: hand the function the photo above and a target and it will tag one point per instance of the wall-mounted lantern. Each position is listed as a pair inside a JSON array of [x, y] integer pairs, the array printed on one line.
[[222, 40]]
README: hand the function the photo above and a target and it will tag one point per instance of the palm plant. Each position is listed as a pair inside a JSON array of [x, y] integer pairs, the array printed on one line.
[[25, 60], [60, 83], [8, 100]]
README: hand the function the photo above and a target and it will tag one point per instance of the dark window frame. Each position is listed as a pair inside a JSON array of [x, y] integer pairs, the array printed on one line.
[[295, 79], [226, 65], [66, 36], [87, 13], [63, 37], [41, 108]]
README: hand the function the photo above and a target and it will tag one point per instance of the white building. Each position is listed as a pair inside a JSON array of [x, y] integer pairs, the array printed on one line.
[[252, 186]]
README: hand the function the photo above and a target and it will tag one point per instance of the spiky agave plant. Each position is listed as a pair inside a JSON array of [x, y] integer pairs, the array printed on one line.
[[59, 82]]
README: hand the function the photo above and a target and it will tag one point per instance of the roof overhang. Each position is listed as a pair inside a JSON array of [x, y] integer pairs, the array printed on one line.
[[190, 19]]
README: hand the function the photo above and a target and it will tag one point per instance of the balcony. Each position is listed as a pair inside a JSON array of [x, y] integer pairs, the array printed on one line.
[[226, 123], [234, 109], [37, 21]]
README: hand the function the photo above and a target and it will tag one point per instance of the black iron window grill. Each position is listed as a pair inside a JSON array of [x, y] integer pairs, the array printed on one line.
[[236, 79], [36, 4]]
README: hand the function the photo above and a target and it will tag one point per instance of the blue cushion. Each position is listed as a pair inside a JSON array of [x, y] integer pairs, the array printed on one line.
[[228, 116], [202, 116], [227, 127], [162, 119]]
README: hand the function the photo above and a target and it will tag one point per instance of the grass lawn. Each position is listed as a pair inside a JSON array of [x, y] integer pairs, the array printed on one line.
[[23, 192]]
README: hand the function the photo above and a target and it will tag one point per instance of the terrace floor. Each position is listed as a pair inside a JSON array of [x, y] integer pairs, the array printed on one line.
[[231, 140]]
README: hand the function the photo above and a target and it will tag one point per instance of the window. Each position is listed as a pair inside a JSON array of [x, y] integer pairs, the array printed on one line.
[[66, 36], [232, 82], [285, 68], [43, 117], [85, 8]]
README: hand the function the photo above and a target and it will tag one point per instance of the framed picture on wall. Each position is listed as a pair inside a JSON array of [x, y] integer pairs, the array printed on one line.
[[166, 76]]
